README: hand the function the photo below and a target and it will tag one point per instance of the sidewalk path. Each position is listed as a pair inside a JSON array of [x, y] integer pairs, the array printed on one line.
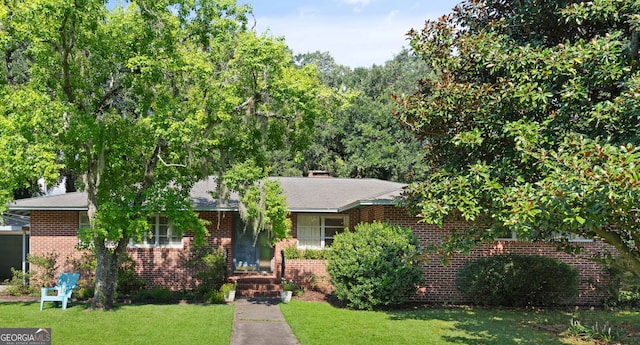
[[259, 321]]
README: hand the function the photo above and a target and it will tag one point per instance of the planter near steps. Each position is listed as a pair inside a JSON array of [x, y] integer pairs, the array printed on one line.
[[230, 296], [285, 296]]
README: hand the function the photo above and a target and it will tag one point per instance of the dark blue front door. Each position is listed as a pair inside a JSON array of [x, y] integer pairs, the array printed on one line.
[[250, 254]]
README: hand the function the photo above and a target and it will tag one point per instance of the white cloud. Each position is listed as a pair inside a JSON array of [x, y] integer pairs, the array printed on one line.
[[358, 2]]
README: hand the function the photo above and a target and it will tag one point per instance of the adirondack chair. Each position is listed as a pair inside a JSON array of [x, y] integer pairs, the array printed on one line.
[[66, 284]]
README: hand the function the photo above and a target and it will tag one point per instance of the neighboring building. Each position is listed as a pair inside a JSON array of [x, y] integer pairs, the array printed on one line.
[[320, 208], [14, 243]]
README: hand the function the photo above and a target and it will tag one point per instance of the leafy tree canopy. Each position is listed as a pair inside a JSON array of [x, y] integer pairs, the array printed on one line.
[[142, 102], [361, 139], [530, 121]]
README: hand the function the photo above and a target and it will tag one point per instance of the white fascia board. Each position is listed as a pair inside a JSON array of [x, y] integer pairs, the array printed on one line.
[[360, 203]]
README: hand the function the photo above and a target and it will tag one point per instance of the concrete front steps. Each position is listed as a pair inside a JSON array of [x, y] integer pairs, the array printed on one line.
[[256, 285]]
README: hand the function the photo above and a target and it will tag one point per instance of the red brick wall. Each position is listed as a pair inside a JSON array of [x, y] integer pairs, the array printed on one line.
[[439, 283], [56, 232]]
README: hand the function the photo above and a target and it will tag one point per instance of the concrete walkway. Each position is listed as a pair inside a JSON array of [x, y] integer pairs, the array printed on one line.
[[259, 321]]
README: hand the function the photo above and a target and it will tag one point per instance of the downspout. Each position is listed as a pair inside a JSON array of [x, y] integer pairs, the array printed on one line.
[[282, 266], [24, 255]]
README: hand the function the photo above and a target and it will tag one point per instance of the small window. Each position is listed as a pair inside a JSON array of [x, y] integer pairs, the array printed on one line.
[[83, 220], [504, 234], [161, 234], [317, 231]]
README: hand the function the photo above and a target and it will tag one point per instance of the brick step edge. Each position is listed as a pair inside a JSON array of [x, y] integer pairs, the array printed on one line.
[[257, 293], [262, 287]]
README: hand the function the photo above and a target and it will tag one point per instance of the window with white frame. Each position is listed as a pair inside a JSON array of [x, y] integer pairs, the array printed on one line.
[[571, 237], [161, 234], [316, 231], [83, 220]]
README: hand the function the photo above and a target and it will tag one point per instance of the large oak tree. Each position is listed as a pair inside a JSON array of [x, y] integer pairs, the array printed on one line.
[[531, 121], [142, 102]]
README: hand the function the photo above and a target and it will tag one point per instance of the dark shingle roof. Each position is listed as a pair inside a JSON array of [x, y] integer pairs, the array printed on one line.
[[303, 195]]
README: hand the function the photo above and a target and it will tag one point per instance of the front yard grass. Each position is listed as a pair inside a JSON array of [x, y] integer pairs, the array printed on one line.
[[128, 324], [321, 323]]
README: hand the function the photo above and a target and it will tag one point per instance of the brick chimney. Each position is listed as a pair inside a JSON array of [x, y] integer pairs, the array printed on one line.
[[319, 173]]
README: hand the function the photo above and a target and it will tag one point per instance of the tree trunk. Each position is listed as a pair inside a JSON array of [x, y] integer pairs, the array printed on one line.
[[106, 276]]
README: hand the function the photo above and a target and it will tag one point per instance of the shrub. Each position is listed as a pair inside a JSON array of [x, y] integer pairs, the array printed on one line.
[[48, 266], [293, 253], [518, 280], [624, 292], [215, 297], [156, 294], [210, 265], [19, 284], [377, 265], [128, 281]]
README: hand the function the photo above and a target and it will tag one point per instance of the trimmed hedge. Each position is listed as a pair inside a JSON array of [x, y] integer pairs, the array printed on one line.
[[377, 265], [518, 280]]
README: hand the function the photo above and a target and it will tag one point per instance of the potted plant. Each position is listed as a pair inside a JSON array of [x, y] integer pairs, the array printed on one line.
[[229, 291], [288, 287]]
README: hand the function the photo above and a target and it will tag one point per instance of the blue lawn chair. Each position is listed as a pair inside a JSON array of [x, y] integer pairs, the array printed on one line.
[[66, 284]]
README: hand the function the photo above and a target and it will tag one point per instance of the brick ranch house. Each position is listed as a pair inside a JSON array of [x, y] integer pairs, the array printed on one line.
[[320, 208]]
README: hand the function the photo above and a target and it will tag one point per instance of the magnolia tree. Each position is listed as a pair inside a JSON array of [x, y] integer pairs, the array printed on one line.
[[530, 122], [143, 101]]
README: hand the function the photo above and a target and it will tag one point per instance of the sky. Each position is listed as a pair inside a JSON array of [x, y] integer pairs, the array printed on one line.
[[357, 33]]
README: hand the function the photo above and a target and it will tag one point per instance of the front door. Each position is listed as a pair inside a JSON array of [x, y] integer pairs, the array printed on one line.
[[250, 255]]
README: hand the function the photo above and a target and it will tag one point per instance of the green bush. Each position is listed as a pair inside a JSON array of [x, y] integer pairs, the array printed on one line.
[[19, 285], [155, 294], [215, 297], [211, 268], [377, 265], [48, 266], [128, 281], [293, 253], [625, 291], [518, 280]]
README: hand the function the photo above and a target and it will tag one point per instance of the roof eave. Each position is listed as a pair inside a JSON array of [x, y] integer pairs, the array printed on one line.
[[360, 203], [47, 208]]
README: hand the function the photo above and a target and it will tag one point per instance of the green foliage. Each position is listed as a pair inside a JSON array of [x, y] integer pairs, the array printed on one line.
[[210, 265], [360, 138], [376, 265], [128, 281], [142, 102], [288, 285], [47, 269], [215, 297], [227, 287], [292, 253], [262, 202], [518, 280], [155, 294], [604, 332], [19, 285], [530, 121], [625, 292]]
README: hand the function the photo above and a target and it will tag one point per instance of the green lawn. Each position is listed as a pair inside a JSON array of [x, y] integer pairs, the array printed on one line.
[[129, 324], [321, 323]]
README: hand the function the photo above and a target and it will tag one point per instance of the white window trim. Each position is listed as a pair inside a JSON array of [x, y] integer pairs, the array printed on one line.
[[514, 237], [323, 217], [155, 230], [571, 237]]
